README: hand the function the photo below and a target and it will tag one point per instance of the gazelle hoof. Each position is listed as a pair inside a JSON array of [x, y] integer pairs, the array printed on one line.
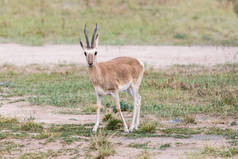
[[131, 129], [126, 131], [94, 131]]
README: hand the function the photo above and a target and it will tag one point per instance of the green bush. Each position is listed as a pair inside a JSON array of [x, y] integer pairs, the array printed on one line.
[[124, 107], [114, 124]]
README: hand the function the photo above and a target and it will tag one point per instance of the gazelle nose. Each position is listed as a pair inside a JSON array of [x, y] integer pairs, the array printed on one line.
[[90, 64]]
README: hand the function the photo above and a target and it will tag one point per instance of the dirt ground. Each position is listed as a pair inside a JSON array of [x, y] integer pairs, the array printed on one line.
[[180, 148], [156, 56]]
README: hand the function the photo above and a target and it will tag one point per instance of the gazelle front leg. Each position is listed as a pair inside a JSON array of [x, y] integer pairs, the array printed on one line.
[[99, 99], [117, 102]]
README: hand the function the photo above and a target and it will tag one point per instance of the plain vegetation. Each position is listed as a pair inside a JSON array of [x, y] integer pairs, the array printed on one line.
[[124, 22]]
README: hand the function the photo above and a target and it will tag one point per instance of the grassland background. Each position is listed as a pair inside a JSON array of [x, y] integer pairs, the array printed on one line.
[[123, 22]]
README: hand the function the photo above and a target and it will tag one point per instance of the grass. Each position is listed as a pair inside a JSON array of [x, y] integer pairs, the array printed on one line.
[[144, 155], [180, 131], [31, 127], [170, 22], [189, 119], [11, 128], [177, 91], [101, 143], [114, 124], [107, 117], [229, 133], [139, 145], [164, 146], [42, 135], [39, 155], [124, 107], [220, 152], [147, 127], [89, 109], [8, 147]]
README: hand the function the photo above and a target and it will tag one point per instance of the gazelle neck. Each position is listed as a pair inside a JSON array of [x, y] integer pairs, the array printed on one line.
[[94, 72]]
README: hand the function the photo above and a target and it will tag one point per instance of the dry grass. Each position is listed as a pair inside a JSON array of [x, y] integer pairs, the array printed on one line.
[[102, 145], [144, 155]]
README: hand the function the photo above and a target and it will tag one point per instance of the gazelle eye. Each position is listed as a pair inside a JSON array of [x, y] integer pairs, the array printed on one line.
[[95, 53], [85, 53]]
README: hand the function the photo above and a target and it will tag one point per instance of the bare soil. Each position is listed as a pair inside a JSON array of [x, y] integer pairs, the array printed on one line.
[[155, 56], [178, 149]]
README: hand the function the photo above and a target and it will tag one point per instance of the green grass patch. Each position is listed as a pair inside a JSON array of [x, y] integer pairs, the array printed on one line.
[[164, 146], [89, 109], [42, 135], [31, 127], [114, 124], [147, 127], [66, 130], [67, 133], [139, 145], [220, 152], [124, 107], [40, 155], [229, 133], [180, 131], [107, 117], [7, 147], [173, 92], [7, 122]]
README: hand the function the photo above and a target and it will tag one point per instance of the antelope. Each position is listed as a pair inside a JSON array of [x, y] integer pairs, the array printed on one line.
[[111, 77]]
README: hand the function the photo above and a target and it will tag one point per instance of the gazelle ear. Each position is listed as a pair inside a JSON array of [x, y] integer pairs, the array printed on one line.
[[81, 43], [95, 45]]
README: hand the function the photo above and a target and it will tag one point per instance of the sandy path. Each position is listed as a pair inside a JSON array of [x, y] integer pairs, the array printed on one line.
[[156, 56]]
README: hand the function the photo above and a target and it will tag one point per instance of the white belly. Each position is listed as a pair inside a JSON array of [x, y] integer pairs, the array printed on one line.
[[124, 87], [100, 91]]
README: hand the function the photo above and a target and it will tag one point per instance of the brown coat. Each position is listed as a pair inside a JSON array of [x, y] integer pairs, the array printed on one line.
[[111, 74]]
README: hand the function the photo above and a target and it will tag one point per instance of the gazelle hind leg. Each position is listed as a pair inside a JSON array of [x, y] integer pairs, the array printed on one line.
[[138, 101], [138, 113], [117, 102], [134, 95]]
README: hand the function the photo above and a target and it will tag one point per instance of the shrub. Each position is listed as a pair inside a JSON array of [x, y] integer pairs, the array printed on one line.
[[107, 117], [114, 124], [31, 126], [102, 145], [189, 119], [147, 127]]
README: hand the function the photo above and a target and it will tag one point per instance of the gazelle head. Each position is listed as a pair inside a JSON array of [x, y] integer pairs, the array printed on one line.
[[90, 52]]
